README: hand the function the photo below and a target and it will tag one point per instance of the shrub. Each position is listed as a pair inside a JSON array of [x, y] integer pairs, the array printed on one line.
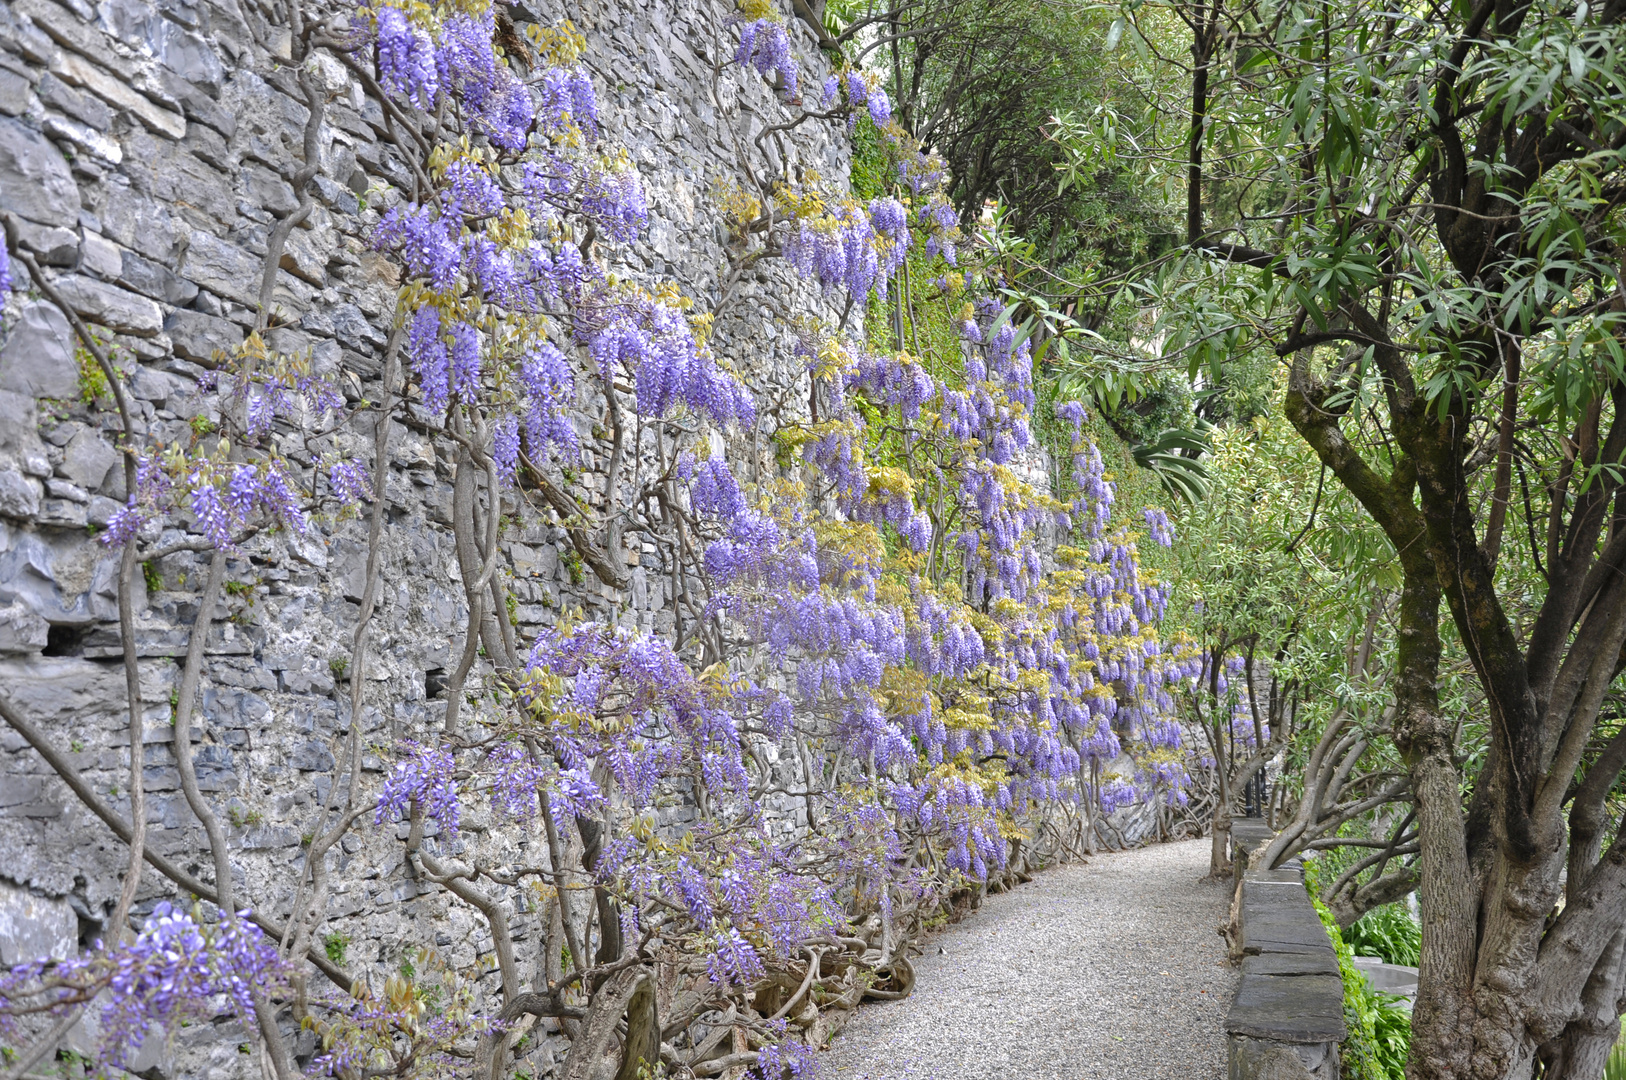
[[1388, 932], [1379, 1038]]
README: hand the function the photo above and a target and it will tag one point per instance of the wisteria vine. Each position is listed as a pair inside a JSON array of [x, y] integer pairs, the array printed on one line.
[[934, 650]]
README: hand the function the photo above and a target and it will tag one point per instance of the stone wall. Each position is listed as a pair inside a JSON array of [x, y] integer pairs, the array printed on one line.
[[145, 151], [1288, 1015]]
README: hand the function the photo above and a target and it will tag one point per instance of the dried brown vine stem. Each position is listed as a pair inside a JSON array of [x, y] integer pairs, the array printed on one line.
[[132, 676], [584, 537], [220, 850], [284, 227]]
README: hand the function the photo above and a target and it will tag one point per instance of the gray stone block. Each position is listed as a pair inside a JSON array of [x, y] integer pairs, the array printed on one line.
[[1277, 917], [20, 443], [37, 359], [87, 460], [1288, 1008], [198, 105], [1306, 962], [62, 514], [59, 690], [21, 631], [86, 109], [19, 495], [188, 55], [99, 255], [1261, 1059], [101, 510], [210, 146], [199, 337], [15, 93], [128, 20], [147, 384], [69, 579], [86, 139], [222, 268], [270, 190], [64, 489], [52, 245], [151, 279], [311, 756], [34, 179], [138, 221], [110, 306], [33, 927]]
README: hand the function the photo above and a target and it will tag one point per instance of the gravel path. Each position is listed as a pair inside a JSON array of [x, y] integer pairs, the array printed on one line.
[[1105, 971]]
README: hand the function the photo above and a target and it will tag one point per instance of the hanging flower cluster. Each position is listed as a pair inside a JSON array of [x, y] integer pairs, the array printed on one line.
[[502, 282], [924, 636], [423, 61], [765, 46], [175, 970], [856, 247], [223, 487]]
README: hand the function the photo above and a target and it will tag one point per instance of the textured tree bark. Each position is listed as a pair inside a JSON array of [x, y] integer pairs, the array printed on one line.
[[641, 1050], [1582, 1051], [627, 991], [1443, 1016]]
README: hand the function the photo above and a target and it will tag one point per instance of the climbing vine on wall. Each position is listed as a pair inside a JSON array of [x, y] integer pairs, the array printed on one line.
[[886, 609]]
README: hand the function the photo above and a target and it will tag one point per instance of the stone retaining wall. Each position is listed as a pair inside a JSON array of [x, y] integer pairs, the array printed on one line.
[[1288, 1015], [146, 149]]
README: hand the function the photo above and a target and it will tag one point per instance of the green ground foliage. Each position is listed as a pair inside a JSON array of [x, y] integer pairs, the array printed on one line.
[[1379, 1036]]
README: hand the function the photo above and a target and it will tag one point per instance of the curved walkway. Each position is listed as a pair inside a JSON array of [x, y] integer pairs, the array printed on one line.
[[1111, 970]]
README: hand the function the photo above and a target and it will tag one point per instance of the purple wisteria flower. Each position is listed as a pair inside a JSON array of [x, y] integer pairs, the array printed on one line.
[[350, 482], [5, 277], [428, 778], [406, 59], [733, 961], [174, 971], [765, 46]]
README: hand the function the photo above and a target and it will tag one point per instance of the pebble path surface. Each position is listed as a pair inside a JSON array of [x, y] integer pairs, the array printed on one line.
[[1107, 970]]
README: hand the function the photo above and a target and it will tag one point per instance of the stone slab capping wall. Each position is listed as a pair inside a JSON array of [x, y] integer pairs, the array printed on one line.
[[1288, 1015], [146, 147]]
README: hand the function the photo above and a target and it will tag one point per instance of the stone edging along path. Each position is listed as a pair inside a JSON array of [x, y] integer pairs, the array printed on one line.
[[1288, 1015], [1105, 970]]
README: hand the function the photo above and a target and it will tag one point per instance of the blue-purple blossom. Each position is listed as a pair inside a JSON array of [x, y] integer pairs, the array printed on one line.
[[426, 351], [350, 482], [733, 962], [222, 498], [173, 972], [880, 108], [714, 490], [406, 59], [820, 589], [568, 99], [465, 360], [765, 46], [505, 448], [425, 777], [614, 200]]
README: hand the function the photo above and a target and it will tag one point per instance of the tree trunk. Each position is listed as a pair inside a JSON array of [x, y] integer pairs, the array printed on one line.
[[1582, 1051], [1219, 855]]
